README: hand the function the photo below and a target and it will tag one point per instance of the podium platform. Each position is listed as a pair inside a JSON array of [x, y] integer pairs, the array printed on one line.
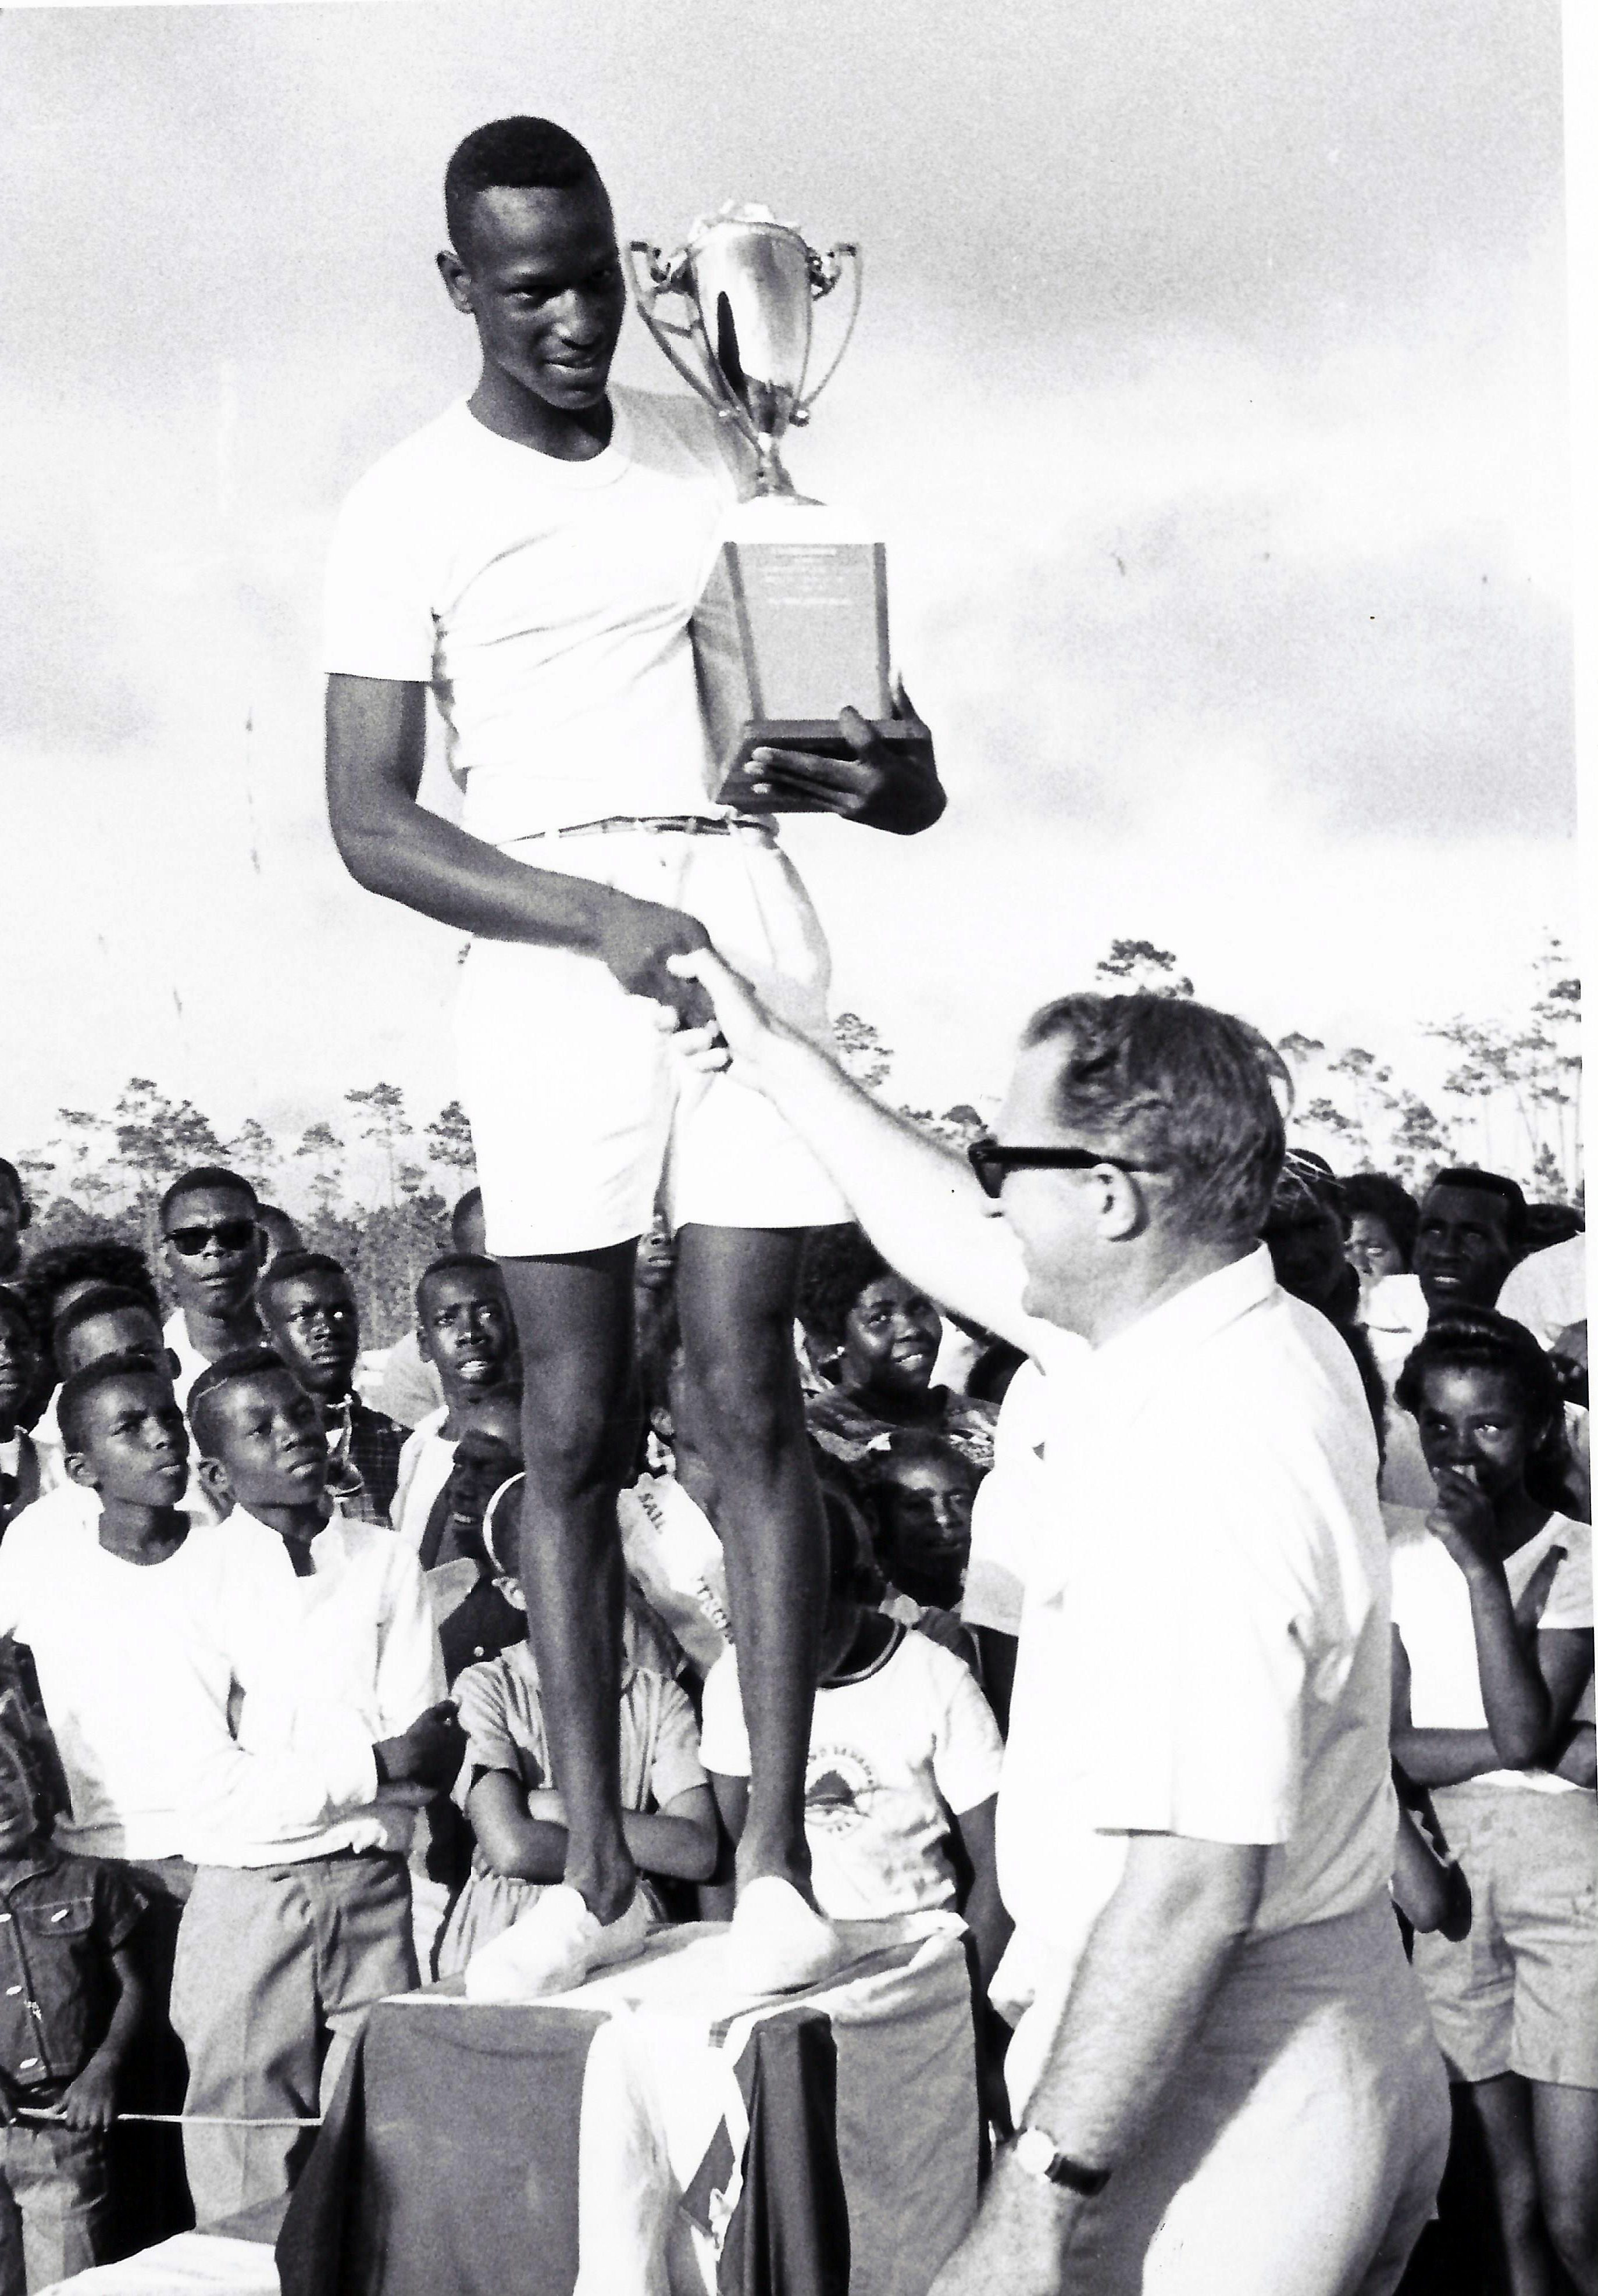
[[650, 2134]]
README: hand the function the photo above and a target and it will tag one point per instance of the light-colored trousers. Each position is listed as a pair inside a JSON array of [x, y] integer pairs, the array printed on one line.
[[276, 1969], [1301, 2141]]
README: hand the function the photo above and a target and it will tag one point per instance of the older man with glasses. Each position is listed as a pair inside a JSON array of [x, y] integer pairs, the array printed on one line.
[[1222, 2073], [213, 1246]]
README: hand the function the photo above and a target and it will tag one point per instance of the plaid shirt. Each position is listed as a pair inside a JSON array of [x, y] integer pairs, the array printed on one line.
[[366, 1443]]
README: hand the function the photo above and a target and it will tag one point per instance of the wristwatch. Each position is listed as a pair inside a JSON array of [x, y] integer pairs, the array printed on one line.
[[1037, 2152]]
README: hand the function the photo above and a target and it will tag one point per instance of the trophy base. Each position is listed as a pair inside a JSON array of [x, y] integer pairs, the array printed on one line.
[[819, 736]]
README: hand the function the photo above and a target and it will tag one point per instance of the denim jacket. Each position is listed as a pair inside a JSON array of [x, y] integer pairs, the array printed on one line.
[[62, 1918]]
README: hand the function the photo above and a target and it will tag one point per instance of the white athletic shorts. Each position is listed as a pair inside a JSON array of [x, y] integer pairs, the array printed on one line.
[[583, 1118]]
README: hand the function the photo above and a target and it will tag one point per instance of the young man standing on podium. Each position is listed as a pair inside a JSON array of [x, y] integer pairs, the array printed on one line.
[[534, 556]]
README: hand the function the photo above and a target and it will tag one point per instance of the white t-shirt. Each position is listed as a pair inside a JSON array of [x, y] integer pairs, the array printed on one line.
[[136, 1663], [425, 1460], [191, 1363], [1548, 1290], [547, 603], [1208, 1652], [896, 1751], [363, 1639], [1431, 1610]]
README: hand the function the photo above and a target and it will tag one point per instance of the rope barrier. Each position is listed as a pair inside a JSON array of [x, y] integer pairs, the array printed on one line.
[[178, 2119]]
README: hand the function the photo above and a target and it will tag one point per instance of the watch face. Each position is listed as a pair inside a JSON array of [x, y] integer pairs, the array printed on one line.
[[1034, 2153]]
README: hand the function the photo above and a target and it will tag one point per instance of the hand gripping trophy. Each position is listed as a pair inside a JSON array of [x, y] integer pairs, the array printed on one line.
[[792, 625]]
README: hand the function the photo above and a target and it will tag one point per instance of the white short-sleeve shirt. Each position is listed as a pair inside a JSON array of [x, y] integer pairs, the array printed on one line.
[[547, 603], [1013, 1515], [896, 1751], [1431, 1610], [1207, 1653], [363, 1640], [136, 1662]]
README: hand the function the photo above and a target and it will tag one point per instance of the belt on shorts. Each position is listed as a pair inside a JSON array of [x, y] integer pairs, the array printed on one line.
[[681, 824]]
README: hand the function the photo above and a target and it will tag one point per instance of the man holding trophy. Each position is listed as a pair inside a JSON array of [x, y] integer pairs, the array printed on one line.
[[636, 670]]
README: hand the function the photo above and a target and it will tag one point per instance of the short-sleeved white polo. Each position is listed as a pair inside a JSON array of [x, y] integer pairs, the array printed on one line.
[[1206, 1652]]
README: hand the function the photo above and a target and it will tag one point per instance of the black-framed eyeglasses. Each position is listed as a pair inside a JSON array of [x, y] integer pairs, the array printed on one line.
[[231, 1234], [993, 1162]]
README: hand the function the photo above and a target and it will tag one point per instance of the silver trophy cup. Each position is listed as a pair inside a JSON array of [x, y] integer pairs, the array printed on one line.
[[792, 624]]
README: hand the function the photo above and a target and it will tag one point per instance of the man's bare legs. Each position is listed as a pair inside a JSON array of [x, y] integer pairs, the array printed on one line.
[[736, 1290], [579, 1422], [574, 1315]]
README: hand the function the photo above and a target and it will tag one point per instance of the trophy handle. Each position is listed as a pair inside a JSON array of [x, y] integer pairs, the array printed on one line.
[[654, 275], [824, 279]]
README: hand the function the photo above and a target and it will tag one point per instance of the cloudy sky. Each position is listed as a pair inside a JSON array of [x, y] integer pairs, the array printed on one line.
[[1210, 394]]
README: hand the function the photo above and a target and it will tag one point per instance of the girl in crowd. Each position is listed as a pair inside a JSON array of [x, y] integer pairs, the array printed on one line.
[[876, 1337], [1493, 1653]]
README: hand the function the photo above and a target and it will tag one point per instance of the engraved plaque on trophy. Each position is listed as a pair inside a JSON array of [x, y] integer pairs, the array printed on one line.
[[792, 625]]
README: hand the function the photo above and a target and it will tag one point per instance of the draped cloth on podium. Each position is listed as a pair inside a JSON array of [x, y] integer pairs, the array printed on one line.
[[647, 2136]]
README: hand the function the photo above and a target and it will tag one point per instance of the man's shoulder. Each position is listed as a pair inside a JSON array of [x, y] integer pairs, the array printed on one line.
[[423, 457]]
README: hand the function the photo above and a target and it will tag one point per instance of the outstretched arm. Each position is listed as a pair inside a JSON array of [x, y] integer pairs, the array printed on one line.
[[918, 1200], [376, 740]]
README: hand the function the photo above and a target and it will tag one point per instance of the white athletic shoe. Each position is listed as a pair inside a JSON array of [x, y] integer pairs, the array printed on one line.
[[555, 1944], [778, 1943]]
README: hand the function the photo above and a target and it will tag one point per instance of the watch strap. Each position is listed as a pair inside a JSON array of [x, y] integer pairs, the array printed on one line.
[[1059, 2168]]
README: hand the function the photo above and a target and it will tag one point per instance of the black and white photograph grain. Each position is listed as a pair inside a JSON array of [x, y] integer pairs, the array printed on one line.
[[795, 1489]]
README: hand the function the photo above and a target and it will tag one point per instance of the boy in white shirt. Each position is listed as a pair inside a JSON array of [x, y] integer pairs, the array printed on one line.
[[141, 1621], [463, 1330], [290, 1933], [904, 1763]]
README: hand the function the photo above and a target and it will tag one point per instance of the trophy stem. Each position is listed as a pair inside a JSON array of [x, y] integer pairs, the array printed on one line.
[[770, 477]]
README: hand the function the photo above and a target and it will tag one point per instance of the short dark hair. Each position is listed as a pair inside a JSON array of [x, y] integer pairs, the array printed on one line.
[[104, 1299], [10, 1177], [838, 1263], [204, 1176], [1551, 1224], [288, 1265], [98, 1259], [1480, 1339], [1377, 1195], [471, 1201], [479, 1262], [1489, 1183], [1182, 1087], [522, 153], [72, 1404], [227, 1371]]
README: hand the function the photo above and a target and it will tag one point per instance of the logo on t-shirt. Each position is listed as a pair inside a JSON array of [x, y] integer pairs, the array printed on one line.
[[838, 1789]]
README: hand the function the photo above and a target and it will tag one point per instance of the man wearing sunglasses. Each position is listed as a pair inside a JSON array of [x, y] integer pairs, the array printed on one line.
[[213, 1246], [1222, 2070]]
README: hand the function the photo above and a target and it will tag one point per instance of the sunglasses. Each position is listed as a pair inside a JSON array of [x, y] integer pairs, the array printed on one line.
[[232, 1235], [993, 1163]]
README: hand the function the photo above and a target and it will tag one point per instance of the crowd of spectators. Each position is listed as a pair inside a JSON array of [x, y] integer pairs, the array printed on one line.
[[272, 1743]]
